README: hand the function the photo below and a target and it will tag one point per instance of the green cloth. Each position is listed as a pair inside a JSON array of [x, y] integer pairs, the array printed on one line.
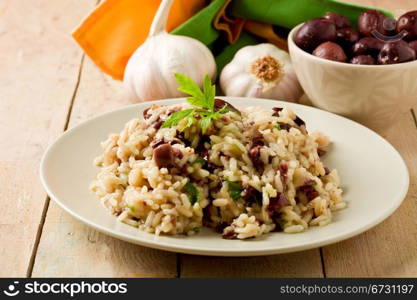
[[289, 13], [200, 26], [285, 13], [229, 51]]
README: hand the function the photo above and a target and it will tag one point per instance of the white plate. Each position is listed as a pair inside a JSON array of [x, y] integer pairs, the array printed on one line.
[[374, 177]]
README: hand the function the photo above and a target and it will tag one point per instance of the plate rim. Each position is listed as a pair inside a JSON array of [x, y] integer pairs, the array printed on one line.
[[213, 252]]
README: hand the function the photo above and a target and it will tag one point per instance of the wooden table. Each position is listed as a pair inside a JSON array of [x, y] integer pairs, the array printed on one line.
[[48, 85]]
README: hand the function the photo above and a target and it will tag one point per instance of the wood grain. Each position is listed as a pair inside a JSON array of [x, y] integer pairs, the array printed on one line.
[[39, 66], [70, 249]]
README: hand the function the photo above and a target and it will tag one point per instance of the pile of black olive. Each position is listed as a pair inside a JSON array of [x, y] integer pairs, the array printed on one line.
[[332, 37]]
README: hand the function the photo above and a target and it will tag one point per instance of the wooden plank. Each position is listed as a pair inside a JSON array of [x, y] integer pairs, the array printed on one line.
[[300, 264], [39, 67], [70, 249]]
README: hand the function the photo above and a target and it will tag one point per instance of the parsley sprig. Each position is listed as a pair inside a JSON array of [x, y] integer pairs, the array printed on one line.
[[204, 99], [192, 192], [235, 190]]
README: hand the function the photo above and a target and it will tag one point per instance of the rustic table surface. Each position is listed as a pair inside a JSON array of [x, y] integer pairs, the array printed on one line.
[[48, 85]]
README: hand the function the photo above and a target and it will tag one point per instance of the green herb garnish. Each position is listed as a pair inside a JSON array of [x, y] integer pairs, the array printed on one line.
[[199, 160], [235, 190], [131, 208], [278, 127], [200, 98], [176, 117], [192, 192]]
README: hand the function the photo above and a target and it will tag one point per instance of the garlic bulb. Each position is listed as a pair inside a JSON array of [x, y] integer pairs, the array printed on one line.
[[262, 71], [149, 73]]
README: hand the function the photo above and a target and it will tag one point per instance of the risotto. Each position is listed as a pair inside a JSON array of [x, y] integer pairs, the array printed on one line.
[[252, 172]]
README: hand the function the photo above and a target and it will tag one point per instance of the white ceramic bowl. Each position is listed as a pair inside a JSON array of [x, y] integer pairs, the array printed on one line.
[[370, 94]]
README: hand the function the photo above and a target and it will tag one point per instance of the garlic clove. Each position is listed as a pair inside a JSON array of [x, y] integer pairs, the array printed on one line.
[[235, 85], [262, 71], [149, 73], [256, 91]]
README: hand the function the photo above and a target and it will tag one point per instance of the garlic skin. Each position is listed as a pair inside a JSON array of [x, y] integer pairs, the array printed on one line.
[[261, 71], [149, 74]]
